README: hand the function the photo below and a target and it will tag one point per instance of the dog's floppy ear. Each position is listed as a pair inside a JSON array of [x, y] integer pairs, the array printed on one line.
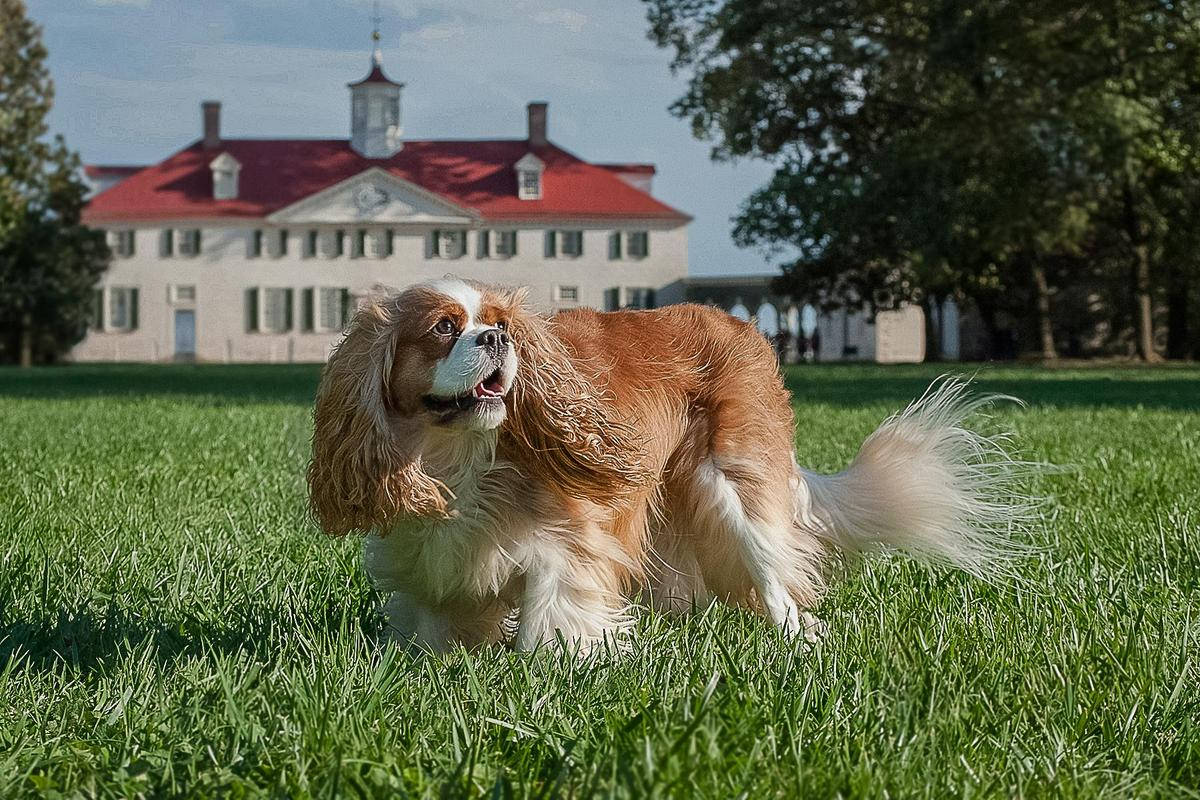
[[564, 427], [366, 468]]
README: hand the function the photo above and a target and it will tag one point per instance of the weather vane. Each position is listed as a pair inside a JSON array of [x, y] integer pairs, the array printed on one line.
[[376, 19]]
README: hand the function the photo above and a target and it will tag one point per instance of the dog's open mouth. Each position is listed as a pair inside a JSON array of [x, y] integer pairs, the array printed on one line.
[[489, 390]]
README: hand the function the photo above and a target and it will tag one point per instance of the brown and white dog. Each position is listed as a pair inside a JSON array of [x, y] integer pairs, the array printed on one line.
[[507, 464]]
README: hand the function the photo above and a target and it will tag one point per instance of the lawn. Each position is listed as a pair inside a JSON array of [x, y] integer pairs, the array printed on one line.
[[171, 622]]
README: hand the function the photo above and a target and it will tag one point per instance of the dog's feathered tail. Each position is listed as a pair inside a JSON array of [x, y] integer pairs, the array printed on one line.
[[925, 484]]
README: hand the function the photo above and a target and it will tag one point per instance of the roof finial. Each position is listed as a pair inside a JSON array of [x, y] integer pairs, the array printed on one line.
[[377, 55]]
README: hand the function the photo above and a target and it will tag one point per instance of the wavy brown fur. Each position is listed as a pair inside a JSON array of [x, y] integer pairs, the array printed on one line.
[[564, 423], [363, 474]]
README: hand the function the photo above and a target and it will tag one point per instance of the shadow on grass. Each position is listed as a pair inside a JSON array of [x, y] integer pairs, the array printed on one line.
[[844, 385], [221, 383], [853, 386], [88, 640]]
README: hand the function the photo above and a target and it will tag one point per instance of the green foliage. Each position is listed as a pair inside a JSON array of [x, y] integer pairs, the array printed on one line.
[[172, 623], [49, 261], [936, 148]]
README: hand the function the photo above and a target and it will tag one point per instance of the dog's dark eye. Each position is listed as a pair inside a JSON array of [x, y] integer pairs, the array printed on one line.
[[445, 327], [502, 324]]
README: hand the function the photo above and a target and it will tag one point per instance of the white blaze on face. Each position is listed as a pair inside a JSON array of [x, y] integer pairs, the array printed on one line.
[[467, 363]]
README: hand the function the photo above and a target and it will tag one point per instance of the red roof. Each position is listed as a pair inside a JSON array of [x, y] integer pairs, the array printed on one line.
[[376, 76], [109, 170], [477, 175], [636, 169]]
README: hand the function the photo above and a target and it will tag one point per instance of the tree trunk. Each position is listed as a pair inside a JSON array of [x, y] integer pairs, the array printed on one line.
[[27, 340], [1143, 303], [1045, 326], [933, 331]]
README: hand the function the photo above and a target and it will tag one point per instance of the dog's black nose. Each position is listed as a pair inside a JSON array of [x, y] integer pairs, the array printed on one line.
[[492, 340]]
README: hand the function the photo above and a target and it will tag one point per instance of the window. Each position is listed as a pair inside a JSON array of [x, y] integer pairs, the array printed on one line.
[[312, 240], [325, 308], [339, 244], [255, 245], [448, 244], [612, 298], [639, 297], [182, 293], [122, 309], [551, 248], [529, 184], [506, 244], [360, 244], [124, 241], [189, 242], [333, 308], [269, 309], [568, 294], [614, 245], [572, 243], [639, 244], [283, 242], [166, 243]]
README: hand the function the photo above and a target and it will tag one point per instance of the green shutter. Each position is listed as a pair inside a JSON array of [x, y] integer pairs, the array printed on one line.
[[485, 244], [614, 245], [289, 296], [345, 308], [435, 244], [650, 298], [98, 309], [307, 314], [251, 310], [551, 248], [391, 242], [166, 242], [612, 299], [283, 242], [133, 309]]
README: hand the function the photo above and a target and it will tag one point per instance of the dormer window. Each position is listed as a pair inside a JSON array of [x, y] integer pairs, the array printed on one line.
[[529, 177], [225, 169]]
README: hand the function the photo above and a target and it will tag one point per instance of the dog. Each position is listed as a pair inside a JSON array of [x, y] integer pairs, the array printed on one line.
[[521, 479]]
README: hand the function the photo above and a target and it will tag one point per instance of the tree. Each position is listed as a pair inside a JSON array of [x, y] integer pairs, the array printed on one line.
[[933, 148], [49, 261]]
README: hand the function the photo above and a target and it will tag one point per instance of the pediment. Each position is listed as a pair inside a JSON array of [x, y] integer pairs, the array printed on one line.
[[377, 196]]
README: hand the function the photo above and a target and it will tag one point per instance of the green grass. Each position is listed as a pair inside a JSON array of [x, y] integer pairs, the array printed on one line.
[[172, 623]]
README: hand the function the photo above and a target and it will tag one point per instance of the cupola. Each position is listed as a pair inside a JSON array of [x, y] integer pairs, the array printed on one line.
[[375, 110]]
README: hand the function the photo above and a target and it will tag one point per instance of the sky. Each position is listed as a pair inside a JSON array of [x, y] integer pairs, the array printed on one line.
[[130, 74]]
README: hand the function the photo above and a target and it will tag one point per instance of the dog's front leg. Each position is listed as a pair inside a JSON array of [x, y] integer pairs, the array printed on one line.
[[409, 622], [573, 595], [469, 623]]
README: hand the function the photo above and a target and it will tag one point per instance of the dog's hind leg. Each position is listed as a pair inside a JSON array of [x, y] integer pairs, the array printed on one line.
[[748, 548]]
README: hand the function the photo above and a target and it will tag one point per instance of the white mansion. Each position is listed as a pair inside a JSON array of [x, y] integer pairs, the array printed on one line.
[[258, 249]]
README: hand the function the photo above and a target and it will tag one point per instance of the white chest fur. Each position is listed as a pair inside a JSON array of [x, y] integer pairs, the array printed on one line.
[[468, 556]]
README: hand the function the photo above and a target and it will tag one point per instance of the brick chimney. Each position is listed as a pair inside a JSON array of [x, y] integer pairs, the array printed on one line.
[[537, 124], [211, 110]]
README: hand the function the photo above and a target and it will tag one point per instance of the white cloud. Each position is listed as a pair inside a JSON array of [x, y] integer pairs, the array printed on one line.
[[442, 31], [573, 21]]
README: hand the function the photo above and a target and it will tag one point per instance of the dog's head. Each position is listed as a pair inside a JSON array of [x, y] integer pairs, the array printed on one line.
[[453, 359]]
